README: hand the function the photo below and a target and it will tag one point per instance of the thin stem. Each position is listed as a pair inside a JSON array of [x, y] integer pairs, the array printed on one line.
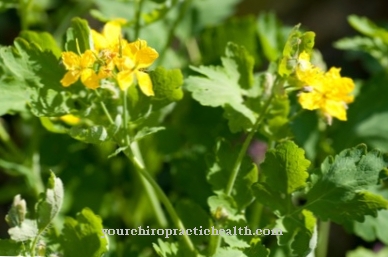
[[104, 109], [256, 214], [163, 198], [136, 159], [243, 150], [134, 148], [323, 238], [139, 6], [215, 244]]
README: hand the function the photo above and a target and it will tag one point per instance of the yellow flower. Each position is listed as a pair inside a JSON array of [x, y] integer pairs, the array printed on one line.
[[110, 37], [80, 66], [326, 91], [135, 57]]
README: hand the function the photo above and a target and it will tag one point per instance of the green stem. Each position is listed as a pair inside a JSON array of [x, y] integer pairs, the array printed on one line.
[[140, 167], [104, 109], [243, 150], [171, 33], [216, 241], [163, 198], [323, 238], [139, 7]]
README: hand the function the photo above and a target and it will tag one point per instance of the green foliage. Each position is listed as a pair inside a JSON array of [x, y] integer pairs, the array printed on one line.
[[78, 36], [297, 42], [83, 236], [373, 42], [284, 171], [224, 86], [241, 31], [220, 169], [271, 35], [236, 153], [339, 188], [10, 248], [363, 252]]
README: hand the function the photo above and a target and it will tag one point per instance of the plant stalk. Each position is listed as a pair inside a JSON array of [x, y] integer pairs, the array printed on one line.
[[134, 155], [323, 238]]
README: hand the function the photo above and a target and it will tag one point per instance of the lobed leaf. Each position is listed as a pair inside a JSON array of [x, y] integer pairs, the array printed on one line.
[[339, 189], [83, 236], [221, 86]]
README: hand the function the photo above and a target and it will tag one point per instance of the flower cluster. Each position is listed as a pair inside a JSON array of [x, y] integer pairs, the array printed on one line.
[[112, 57], [326, 91]]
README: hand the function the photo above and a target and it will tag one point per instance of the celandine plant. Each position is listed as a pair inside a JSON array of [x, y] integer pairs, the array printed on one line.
[[239, 151]]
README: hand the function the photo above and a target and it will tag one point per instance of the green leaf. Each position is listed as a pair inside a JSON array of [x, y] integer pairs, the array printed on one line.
[[92, 134], [167, 84], [301, 233], [211, 12], [17, 213], [339, 188], [367, 27], [236, 55], [239, 30], [13, 96], [285, 168], [193, 216], [297, 42], [237, 121], [230, 252], [78, 38], [373, 228], [39, 74], [270, 32], [284, 171], [10, 248], [166, 249], [221, 85], [277, 123], [44, 40], [221, 168], [26, 231], [83, 236], [257, 249], [50, 203], [22, 229], [363, 252]]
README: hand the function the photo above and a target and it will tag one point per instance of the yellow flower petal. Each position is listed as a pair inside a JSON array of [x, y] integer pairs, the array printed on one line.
[[70, 60], [112, 32], [145, 57], [125, 79], [70, 78], [90, 79], [87, 59], [99, 41], [335, 109], [145, 83]]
